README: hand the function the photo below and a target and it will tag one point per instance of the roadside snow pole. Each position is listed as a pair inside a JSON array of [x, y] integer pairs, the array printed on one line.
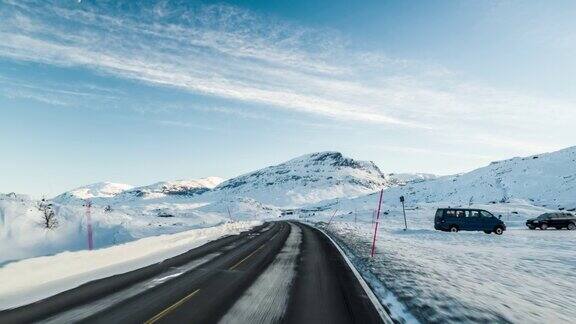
[[229, 214], [89, 224], [331, 218], [404, 211], [377, 221]]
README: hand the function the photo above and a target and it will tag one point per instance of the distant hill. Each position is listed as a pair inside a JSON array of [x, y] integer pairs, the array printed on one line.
[[93, 191], [547, 180]]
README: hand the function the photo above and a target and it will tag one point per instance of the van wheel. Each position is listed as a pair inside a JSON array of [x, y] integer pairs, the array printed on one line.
[[453, 229], [498, 230], [544, 227], [487, 232], [572, 226]]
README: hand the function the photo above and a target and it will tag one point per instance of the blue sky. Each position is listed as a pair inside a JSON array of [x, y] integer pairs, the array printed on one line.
[[138, 92]]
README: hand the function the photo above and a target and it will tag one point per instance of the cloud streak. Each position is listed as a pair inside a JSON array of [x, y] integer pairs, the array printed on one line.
[[227, 52]]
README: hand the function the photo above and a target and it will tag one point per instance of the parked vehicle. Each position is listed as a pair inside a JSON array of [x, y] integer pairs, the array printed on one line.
[[556, 220], [462, 219]]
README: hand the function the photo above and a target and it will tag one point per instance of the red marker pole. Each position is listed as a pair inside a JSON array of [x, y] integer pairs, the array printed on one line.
[[89, 225], [377, 222]]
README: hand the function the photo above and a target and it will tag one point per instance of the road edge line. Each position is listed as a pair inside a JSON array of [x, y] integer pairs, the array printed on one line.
[[373, 298]]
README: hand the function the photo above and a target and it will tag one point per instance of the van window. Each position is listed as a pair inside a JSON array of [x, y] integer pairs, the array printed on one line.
[[460, 213], [450, 213], [439, 213], [474, 213], [486, 214]]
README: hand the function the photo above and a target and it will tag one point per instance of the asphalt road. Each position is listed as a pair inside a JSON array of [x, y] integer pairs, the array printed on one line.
[[279, 272]]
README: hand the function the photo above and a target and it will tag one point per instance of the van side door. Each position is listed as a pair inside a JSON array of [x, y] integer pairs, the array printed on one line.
[[463, 220], [450, 218], [476, 220]]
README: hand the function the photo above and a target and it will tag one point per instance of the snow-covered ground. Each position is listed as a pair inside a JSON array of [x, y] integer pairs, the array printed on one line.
[[522, 276], [33, 279], [22, 234]]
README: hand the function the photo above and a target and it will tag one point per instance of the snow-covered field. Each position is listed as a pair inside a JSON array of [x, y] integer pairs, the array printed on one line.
[[33, 279], [522, 276]]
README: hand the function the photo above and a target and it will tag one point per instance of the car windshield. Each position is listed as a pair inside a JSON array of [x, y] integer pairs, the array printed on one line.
[[545, 216]]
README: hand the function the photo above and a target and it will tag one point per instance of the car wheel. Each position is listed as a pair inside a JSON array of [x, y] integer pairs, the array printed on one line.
[[544, 227], [453, 229], [499, 230], [572, 226], [487, 232]]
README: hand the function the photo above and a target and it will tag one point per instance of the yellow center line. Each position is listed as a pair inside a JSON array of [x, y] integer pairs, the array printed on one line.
[[183, 300], [251, 254], [171, 308]]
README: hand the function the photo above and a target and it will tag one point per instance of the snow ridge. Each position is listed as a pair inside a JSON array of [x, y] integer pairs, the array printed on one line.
[[96, 190], [172, 188]]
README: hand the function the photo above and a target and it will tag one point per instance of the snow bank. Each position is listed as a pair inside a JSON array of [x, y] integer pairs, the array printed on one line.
[[23, 236], [26, 281]]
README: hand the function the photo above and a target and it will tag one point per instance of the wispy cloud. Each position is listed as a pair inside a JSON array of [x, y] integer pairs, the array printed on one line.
[[231, 53], [181, 124], [64, 95], [421, 151]]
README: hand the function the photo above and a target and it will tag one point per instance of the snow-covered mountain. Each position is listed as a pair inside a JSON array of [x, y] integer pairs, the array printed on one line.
[[92, 191], [307, 179], [547, 180], [405, 178], [179, 188]]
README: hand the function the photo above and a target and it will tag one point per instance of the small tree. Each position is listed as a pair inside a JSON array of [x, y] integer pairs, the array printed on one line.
[[49, 220]]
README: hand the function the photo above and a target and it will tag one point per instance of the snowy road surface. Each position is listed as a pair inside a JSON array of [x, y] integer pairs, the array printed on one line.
[[279, 272]]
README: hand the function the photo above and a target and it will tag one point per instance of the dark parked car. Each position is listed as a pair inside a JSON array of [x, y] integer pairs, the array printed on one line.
[[556, 220], [461, 219]]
